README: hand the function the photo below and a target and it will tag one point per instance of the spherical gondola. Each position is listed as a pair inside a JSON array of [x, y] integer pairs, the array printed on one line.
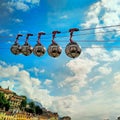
[[16, 49], [54, 50], [26, 49], [39, 50], [72, 50]]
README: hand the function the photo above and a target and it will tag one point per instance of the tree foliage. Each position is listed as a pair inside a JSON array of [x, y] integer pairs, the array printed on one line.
[[23, 103], [7, 106], [30, 110], [3, 102], [35, 109], [32, 105], [38, 110]]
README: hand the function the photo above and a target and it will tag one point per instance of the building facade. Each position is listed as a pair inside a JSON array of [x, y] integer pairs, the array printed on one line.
[[13, 98], [17, 116]]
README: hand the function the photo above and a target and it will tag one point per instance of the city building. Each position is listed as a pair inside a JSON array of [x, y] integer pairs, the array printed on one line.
[[17, 116], [48, 115], [7, 93], [14, 99], [43, 117]]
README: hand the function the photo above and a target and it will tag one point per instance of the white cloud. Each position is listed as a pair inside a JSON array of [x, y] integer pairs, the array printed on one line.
[[3, 63], [99, 33], [17, 20], [97, 58], [36, 70], [64, 105], [105, 70], [32, 1], [99, 53], [92, 15], [4, 31], [19, 5], [103, 13], [10, 9], [115, 55], [42, 71], [23, 32], [75, 105], [35, 81], [20, 65], [23, 5], [80, 68], [95, 78], [20, 80], [91, 106], [9, 71], [48, 82], [64, 17], [75, 88], [116, 84], [6, 84]]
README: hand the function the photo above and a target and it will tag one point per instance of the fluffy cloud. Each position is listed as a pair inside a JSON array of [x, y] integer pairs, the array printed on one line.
[[93, 65], [7, 83], [90, 106], [95, 103], [32, 1], [80, 68], [99, 53], [103, 13], [105, 70], [4, 31], [95, 78], [76, 105], [36, 70], [17, 20], [20, 80], [64, 105], [116, 84], [20, 6], [48, 82], [110, 13], [23, 5], [92, 15], [6, 72]]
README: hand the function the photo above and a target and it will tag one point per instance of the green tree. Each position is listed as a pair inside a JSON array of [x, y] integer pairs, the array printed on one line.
[[7, 106], [38, 110], [32, 105], [24, 102], [31, 108], [3, 102]]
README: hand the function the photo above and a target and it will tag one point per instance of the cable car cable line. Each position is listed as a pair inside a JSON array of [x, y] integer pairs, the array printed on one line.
[[79, 30], [72, 49], [84, 34]]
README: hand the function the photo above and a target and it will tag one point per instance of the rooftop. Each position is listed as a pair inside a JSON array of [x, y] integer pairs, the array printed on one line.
[[6, 90]]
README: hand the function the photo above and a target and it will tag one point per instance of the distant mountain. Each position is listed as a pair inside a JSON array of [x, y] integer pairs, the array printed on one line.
[[36, 103]]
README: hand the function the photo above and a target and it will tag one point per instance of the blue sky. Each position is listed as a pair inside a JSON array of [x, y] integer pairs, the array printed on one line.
[[84, 88]]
